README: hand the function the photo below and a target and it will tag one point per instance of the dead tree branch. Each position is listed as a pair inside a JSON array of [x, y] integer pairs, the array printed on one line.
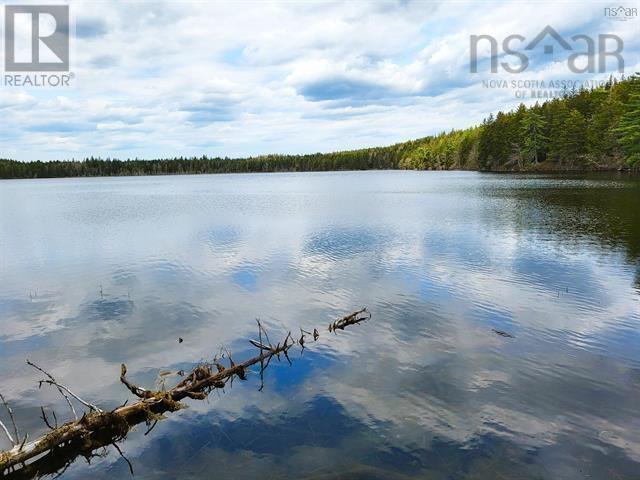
[[352, 319], [6, 431], [122, 455], [46, 420], [90, 406], [73, 410], [98, 428], [13, 422]]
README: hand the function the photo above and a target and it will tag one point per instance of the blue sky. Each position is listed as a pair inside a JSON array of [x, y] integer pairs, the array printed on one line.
[[163, 79]]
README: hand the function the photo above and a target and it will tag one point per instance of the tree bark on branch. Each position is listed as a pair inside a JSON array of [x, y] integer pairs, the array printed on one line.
[[98, 428]]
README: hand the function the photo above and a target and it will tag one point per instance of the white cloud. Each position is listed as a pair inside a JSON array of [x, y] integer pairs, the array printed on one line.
[[249, 78]]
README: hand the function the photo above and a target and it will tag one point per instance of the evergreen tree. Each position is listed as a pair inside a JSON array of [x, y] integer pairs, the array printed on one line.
[[533, 126], [601, 126], [602, 141], [628, 127], [559, 114], [573, 138]]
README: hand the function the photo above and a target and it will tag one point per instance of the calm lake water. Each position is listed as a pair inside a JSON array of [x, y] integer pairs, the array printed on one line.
[[95, 272]]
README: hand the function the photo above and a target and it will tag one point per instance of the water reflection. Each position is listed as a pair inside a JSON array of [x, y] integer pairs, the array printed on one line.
[[123, 267]]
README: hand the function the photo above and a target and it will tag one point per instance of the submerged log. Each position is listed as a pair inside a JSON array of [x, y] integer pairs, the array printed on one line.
[[97, 429]]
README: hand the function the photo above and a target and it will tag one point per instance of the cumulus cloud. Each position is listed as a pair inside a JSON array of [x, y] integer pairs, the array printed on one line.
[[243, 79]]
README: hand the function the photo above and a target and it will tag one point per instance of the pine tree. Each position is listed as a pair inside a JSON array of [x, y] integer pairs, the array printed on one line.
[[573, 137], [532, 128], [559, 114], [628, 127], [601, 137]]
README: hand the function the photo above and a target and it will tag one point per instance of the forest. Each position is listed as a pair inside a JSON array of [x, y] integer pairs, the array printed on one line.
[[587, 129]]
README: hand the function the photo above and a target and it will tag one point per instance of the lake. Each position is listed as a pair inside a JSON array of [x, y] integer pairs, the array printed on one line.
[[99, 271]]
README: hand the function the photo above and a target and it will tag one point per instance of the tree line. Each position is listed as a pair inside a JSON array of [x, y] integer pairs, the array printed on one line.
[[597, 128], [586, 129]]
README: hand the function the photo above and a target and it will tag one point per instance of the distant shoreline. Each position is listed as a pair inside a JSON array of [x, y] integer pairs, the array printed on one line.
[[585, 131], [532, 172]]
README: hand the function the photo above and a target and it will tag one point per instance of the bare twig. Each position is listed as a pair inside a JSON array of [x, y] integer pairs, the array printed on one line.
[[284, 351], [151, 427], [137, 391], [45, 420], [26, 437], [13, 421], [96, 429], [66, 397], [90, 406], [64, 469], [6, 432], [125, 458], [301, 341], [260, 347]]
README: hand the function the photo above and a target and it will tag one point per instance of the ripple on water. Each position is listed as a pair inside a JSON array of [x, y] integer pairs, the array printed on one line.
[[125, 267]]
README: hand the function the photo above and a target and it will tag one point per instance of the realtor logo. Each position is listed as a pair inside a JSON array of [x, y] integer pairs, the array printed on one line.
[[36, 38]]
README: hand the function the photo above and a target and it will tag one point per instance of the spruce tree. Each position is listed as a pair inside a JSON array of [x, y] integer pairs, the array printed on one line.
[[628, 127], [532, 128], [573, 137]]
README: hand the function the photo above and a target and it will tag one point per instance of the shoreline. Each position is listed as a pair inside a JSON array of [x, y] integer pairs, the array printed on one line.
[[537, 171]]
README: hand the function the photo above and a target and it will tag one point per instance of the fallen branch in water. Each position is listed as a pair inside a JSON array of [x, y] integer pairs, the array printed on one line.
[[62, 389], [98, 428], [352, 319]]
